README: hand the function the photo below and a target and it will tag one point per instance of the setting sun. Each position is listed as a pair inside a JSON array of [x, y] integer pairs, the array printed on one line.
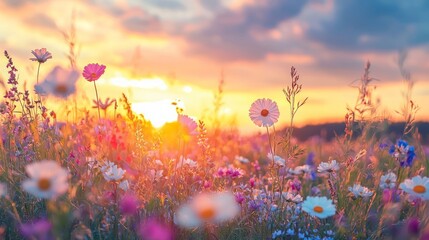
[[158, 113]]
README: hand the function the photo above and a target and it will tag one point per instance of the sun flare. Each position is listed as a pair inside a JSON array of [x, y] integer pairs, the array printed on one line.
[[157, 112]]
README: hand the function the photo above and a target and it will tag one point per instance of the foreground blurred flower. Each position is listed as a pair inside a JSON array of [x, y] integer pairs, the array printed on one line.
[[388, 180], [417, 187], [207, 208], [332, 166], [41, 55], [40, 229], [264, 112], [60, 82], [93, 71], [47, 179], [320, 207], [154, 230], [188, 124], [129, 204], [403, 152], [358, 191]]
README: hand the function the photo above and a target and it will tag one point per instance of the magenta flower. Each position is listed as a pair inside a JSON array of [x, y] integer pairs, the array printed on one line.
[[93, 71], [129, 204], [153, 230], [41, 55]]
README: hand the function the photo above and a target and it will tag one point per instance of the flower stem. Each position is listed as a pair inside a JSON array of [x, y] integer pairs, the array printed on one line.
[[37, 77], [98, 106]]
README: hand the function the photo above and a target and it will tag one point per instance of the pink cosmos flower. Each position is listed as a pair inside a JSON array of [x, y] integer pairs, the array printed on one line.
[[264, 112], [41, 55], [93, 71], [188, 124]]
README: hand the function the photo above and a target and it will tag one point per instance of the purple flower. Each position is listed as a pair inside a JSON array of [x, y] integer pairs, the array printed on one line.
[[40, 229], [239, 198], [41, 55], [403, 152]]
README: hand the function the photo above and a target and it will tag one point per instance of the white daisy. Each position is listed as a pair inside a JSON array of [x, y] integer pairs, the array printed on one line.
[[47, 179], [242, 159], [111, 172], [124, 185], [189, 162], [358, 191], [290, 197], [207, 208], [277, 160], [155, 175], [416, 187], [388, 180], [320, 207], [332, 166], [264, 112]]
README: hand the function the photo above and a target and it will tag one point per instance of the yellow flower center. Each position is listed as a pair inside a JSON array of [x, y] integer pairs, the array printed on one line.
[[264, 112], [44, 184], [93, 75], [318, 209], [61, 88], [206, 213], [419, 189]]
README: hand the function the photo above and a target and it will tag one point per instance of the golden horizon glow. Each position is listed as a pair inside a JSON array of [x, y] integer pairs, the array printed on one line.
[[157, 112]]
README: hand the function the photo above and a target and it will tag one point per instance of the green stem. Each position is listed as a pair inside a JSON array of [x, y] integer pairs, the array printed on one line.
[[98, 106]]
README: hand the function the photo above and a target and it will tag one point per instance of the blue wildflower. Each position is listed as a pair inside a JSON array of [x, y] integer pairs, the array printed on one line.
[[403, 152]]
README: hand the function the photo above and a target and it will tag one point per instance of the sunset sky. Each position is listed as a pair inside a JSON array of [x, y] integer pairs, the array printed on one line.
[[157, 51]]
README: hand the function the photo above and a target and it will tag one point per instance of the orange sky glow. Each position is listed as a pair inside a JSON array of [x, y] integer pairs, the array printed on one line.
[[159, 51]]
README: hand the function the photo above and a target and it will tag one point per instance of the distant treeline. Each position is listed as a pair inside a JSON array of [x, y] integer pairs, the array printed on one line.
[[328, 131]]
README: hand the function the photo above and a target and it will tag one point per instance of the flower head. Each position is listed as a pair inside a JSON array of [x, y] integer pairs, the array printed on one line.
[[417, 187], [93, 71], [358, 191], [111, 172], [40, 229], [332, 166], [207, 208], [47, 179], [129, 204], [60, 82], [388, 180], [41, 55], [403, 152], [264, 112], [153, 230], [277, 160], [188, 124], [320, 207]]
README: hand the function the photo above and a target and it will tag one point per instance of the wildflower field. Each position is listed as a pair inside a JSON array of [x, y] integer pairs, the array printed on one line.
[[108, 173]]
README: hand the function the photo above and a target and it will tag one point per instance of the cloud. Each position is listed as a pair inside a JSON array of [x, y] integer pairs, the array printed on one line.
[[240, 34], [373, 25], [167, 4], [41, 20], [20, 3], [143, 23]]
